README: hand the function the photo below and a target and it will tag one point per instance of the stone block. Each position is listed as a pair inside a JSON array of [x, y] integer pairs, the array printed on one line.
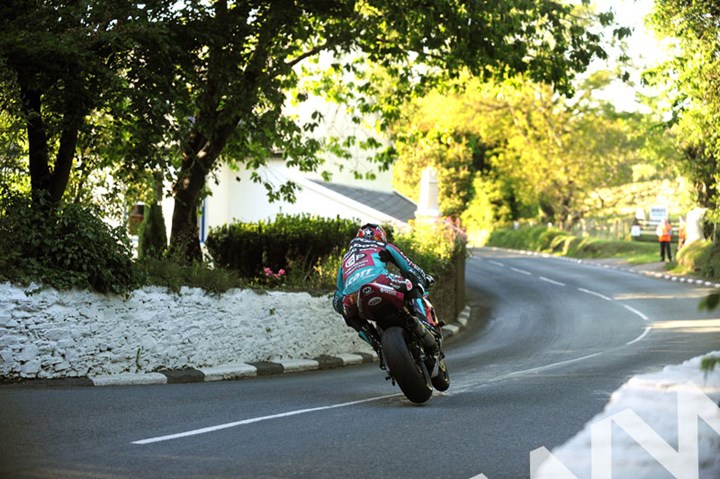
[[29, 353]]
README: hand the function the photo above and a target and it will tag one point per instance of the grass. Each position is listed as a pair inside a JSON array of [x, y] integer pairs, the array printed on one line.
[[558, 242], [699, 259]]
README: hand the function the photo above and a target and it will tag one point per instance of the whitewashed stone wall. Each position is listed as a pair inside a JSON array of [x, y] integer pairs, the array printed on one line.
[[51, 334]]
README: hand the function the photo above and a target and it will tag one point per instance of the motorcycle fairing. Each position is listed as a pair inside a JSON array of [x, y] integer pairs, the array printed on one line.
[[380, 303]]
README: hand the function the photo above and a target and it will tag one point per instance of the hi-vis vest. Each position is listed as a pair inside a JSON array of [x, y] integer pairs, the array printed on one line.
[[664, 232]]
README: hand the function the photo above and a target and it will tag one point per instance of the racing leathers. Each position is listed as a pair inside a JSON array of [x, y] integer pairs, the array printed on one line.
[[365, 262]]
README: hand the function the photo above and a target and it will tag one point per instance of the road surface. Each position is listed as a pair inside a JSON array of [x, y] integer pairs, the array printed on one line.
[[548, 341]]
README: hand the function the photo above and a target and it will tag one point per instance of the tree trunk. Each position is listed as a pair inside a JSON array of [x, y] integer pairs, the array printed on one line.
[[37, 144], [184, 236], [47, 184]]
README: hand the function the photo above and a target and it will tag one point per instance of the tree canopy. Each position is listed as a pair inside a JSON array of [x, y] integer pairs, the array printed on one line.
[[691, 85], [515, 150], [187, 85]]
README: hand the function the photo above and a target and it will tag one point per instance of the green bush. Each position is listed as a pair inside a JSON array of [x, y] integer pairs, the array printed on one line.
[[167, 273], [440, 249], [700, 257], [63, 246], [152, 237], [433, 246], [534, 238], [559, 242], [298, 245]]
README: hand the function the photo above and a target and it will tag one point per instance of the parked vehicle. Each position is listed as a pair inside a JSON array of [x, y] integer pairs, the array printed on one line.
[[395, 336]]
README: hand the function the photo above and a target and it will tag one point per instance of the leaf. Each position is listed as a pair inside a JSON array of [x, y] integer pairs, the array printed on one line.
[[709, 302]]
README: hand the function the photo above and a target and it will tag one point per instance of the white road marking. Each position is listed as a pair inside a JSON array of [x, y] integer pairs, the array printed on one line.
[[496, 263], [554, 365], [219, 427], [606, 298], [543, 278], [521, 271], [647, 330], [635, 311]]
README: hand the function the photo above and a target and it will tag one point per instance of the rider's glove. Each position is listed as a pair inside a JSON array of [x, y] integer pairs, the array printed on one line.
[[429, 281]]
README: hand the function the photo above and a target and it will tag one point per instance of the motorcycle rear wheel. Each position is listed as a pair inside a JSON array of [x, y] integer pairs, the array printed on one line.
[[403, 367]]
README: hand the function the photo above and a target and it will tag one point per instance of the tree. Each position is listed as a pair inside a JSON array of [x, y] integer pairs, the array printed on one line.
[[517, 148], [210, 78], [244, 54], [58, 61], [691, 80]]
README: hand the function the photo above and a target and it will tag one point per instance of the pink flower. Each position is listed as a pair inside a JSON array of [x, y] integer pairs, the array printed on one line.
[[270, 274]]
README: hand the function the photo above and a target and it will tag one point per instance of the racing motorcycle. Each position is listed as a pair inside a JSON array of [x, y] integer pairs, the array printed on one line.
[[397, 335]]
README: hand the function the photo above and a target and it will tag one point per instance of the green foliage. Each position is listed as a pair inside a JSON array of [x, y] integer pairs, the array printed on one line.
[[709, 363], [491, 207], [65, 246], [709, 302], [59, 61], [512, 149], [556, 241], [166, 273], [152, 237], [452, 158], [701, 258], [690, 82], [297, 244], [434, 246]]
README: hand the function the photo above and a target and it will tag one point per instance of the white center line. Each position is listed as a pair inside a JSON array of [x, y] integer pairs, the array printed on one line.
[[543, 278], [606, 298], [521, 271], [496, 263], [219, 427], [647, 330], [554, 365], [635, 311]]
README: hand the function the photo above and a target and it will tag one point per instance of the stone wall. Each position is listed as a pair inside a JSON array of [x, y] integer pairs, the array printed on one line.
[[51, 334]]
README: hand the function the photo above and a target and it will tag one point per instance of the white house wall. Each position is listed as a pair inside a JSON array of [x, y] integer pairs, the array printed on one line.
[[246, 201]]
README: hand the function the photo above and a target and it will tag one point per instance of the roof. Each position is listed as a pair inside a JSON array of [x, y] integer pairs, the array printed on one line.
[[390, 203]]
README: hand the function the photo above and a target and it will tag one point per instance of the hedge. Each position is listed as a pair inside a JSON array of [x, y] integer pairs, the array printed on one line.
[[287, 243]]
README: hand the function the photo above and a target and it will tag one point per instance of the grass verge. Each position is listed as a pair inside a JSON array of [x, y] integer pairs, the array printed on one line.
[[558, 242]]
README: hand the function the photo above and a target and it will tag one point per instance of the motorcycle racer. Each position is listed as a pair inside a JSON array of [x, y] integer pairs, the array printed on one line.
[[366, 261]]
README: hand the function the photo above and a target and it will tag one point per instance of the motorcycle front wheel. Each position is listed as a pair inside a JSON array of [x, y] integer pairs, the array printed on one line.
[[404, 368]]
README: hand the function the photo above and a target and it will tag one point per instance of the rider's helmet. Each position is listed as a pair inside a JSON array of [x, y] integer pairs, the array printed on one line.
[[373, 232]]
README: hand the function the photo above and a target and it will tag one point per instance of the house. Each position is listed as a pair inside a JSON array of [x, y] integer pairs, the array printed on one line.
[[235, 197]]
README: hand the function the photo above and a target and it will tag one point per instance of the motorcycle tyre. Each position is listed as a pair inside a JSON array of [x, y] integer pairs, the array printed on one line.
[[441, 382], [403, 367]]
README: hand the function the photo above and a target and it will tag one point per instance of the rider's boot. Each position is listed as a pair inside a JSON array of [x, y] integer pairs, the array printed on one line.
[[369, 338], [426, 335], [429, 334]]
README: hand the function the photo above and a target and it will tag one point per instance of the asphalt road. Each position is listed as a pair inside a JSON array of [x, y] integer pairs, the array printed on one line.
[[548, 342]]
